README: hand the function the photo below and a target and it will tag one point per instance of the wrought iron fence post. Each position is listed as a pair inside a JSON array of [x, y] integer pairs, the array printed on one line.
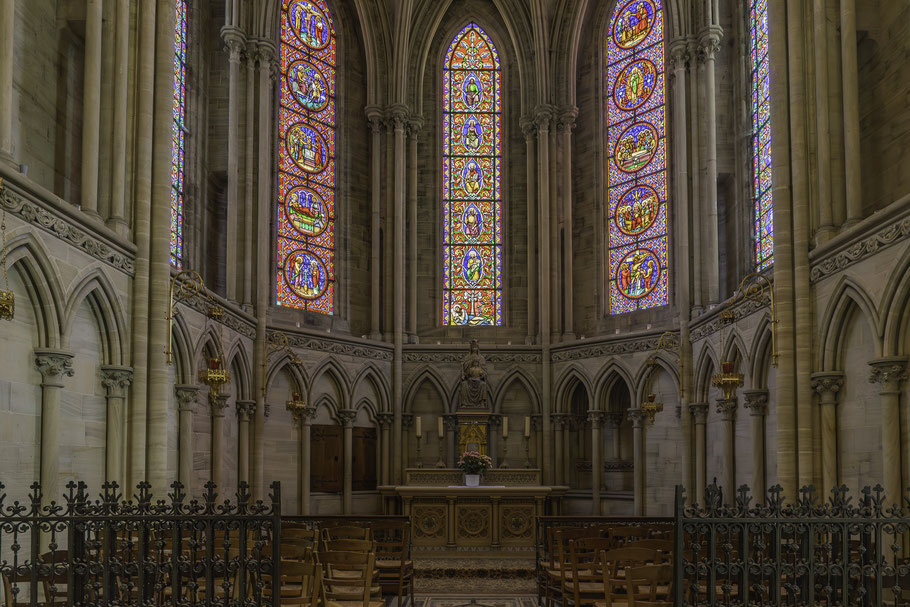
[[276, 543], [176, 540], [209, 496], [243, 501], [143, 504], [35, 537]]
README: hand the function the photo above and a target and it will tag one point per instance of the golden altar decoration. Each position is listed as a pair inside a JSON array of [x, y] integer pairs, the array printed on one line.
[[473, 429], [498, 515]]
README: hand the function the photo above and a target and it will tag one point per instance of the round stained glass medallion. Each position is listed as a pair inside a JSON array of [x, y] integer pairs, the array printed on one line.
[[308, 85], [306, 211], [634, 85], [636, 210], [638, 273], [305, 274], [307, 148], [634, 23], [635, 147], [309, 24]]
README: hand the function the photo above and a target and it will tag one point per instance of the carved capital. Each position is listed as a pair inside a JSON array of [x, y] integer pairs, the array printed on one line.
[[827, 384], [888, 373], [186, 396], [116, 380], [613, 420], [495, 420], [245, 409], [385, 419], [727, 409], [347, 417], [218, 404], [678, 51], [528, 128], [406, 420], [565, 120], [596, 417], [234, 42], [415, 125], [397, 116], [638, 417], [699, 412], [756, 401], [543, 114], [709, 42], [450, 422], [53, 365], [560, 420], [375, 118]]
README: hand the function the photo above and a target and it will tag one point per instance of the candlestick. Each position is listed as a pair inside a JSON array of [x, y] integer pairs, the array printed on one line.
[[505, 450], [505, 427], [527, 427], [419, 454], [418, 430], [439, 429]]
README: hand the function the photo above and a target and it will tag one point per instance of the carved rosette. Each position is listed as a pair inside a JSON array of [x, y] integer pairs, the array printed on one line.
[[116, 380], [429, 522], [53, 365], [472, 523], [516, 522], [756, 401], [699, 412]]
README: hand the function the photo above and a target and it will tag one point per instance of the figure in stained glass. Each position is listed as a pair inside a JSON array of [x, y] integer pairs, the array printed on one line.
[[636, 147], [472, 177], [634, 85], [761, 125], [306, 274], [472, 222], [638, 273], [178, 151], [306, 211], [471, 91], [308, 85], [472, 135], [309, 24], [307, 148], [634, 23], [637, 210]]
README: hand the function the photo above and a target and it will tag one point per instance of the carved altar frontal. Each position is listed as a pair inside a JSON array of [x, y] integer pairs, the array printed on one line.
[[498, 516]]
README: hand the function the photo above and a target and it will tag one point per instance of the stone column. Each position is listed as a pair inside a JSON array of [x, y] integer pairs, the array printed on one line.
[[850, 87], [7, 33], [566, 452], [597, 465], [218, 405], [727, 410], [374, 116], [529, 130], [347, 417], [235, 42], [404, 443], [827, 384], [614, 424], [638, 418], [542, 122], [91, 107], [398, 115], [565, 125], [186, 402], [559, 423], [306, 420], [53, 365], [245, 411], [823, 131], [889, 373], [385, 424], [494, 423], [696, 120], [249, 204], [116, 220], [537, 437], [709, 44], [451, 427], [756, 401], [414, 126], [116, 381], [699, 412]]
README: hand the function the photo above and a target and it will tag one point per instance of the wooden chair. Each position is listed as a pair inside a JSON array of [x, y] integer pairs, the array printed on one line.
[[650, 586], [299, 533], [621, 535], [396, 569], [615, 563], [347, 532], [554, 577], [664, 547], [20, 582], [582, 584], [347, 590], [296, 550], [301, 584]]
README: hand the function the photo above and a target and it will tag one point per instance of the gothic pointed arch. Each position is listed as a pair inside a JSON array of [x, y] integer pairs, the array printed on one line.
[[637, 189], [306, 157]]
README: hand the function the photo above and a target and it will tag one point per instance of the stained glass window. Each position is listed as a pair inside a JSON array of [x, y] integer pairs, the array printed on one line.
[[637, 157], [178, 137], [306, 157], [761, 136], [471, 178]]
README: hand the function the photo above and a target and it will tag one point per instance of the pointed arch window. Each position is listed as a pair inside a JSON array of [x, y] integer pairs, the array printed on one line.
[[637, 157], [761, 135], [178, 137], [306, 157], [471, 181]]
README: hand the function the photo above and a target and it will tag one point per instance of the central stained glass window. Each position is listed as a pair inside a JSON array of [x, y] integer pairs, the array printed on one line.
[[637, 157], [178, 137], [761, 137], [306, 157], [472, 177]]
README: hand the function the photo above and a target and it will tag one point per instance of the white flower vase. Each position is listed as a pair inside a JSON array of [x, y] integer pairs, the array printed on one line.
[[472, 480]]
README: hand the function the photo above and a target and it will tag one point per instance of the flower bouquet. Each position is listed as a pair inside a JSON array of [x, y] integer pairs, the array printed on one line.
[[473, 464]]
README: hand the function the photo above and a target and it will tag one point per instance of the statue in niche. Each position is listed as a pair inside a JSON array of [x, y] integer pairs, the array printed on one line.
[[473, 391]]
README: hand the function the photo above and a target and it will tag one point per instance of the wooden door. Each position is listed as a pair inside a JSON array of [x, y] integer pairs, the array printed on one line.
[[364, 464], [326, 467]]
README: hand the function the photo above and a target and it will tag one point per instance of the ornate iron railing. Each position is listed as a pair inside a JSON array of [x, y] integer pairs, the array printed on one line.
[[142, 551], [807, 552]]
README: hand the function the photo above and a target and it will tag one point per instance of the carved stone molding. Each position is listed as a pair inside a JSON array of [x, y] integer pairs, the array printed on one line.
[[385, 419], [406, 420], [613, 420], [543, 114], [596, 417], [186, 396], [741, 309], [347, 417], [678, 52], [53, 365], [64, 229], [756, 401], [528, 128], [537, 422], [889, 373], [606, 349], [302, 342], [860, 250], [699, 412], [218, 404], [245, 409], [231, 320], [565, 119], [827, 384], [450, 422], [618, 464], [560, 420], [458, 356], [727, 409], [116, 380]]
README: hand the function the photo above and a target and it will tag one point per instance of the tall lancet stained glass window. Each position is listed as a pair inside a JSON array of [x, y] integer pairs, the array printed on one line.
[[761, 136], [178, 137], [306, 157], [637, 157], [471, 181]]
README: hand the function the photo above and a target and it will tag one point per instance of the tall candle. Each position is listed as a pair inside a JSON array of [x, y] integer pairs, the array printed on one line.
[[439, 428], [505, 427], [419, 431], [527, 427]]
